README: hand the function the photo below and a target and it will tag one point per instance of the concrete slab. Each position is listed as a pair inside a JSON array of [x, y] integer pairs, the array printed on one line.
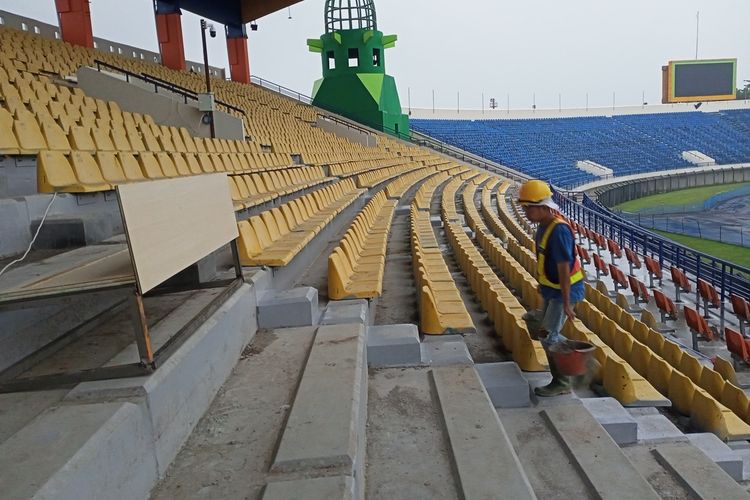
[[393, 345], [443, 338], [327, 415], [505, 384], [321, 488], [445, 353], [695, 470], [341, 312], [485, 460], [90, 451], [655, 428], [598, 457], [288, 308], [539, 379], [176, 395], [615, 419], [721, 454]]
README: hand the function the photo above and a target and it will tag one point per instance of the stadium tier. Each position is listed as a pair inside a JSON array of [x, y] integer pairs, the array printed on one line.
[[627, 144], [424, 266]]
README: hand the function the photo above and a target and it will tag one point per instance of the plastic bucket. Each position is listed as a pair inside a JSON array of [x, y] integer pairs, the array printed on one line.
[[572, 357]]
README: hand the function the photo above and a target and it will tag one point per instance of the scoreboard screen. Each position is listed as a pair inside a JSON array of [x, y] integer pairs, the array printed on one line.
[[707, 80]]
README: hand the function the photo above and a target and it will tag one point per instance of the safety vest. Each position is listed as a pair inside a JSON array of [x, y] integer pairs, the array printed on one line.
[[576, 274]]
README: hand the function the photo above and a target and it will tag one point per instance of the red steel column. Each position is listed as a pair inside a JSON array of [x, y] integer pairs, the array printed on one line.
[[239, 59], [75, 22], [169, 32]]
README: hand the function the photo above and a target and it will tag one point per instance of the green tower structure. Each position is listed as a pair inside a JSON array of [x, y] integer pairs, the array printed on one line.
[[354, 82]]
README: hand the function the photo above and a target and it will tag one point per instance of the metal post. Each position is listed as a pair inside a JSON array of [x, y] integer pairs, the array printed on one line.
[[140, 326], [204, 26]]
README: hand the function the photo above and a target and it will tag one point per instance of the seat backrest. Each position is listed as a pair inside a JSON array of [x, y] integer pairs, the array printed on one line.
[[652, 265], [691, 317], [736, 344], [643, 291], [633, 258], [740, 307]]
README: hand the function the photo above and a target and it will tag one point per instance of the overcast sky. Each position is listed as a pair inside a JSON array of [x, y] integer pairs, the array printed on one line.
[[519, 48]]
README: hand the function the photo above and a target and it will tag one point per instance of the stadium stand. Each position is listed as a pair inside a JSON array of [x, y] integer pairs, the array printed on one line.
[[628, 144], [290, 182]]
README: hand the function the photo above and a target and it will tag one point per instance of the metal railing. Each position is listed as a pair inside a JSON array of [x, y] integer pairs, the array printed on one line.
[[280, 89], [158, 83], [728, 277], [421, 139]]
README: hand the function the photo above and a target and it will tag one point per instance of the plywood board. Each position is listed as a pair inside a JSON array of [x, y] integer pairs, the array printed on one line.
[[173, 223]]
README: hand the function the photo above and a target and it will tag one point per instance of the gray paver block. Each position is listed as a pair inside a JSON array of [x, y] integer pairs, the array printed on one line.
[[615, 419], [505, 384], [656, 428], [327, 415], [393, 345], [288, 308], [721, 454], [320, 488], [445, 353], [443, 338], [341, 312]]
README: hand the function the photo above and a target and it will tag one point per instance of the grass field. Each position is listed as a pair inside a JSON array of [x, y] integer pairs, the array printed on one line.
[[732, 253], [676, 198]]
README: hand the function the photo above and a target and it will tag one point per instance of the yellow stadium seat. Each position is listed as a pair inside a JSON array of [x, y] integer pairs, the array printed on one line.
[[87, 171], [712, 383], [672, 353], [659, 374], [691, 367], [736, 400], [80, 139], [150, 166], [711, 416], [681, 392]]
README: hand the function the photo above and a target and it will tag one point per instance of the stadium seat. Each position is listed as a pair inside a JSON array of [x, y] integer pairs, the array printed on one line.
[[741, 309], [633, 261], [666, 307], [738, 346], [680, 281], [654, 271], [709, 295]]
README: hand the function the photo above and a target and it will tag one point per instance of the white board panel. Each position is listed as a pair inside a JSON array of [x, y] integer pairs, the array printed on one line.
[[173, 223]]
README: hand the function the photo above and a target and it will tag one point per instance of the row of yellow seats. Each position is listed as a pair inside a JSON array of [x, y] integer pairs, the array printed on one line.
[[518, 277], [520, 217], [83, 172], [713, 403], [618, 378], [423, 196], [470, 209], [375, 177], [497, 300], [511, 222], [493, 221], [249, 190], [358, 166], [276, 236], [357, 264], [441, 309], [398, 187]]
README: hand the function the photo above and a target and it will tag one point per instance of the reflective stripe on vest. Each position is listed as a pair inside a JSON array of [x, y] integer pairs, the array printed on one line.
[[576, 274]]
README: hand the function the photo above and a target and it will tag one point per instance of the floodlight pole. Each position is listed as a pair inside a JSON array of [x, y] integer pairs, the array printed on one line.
[[204, 26]]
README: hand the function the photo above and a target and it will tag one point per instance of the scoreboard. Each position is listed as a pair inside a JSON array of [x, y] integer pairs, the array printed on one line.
[[699, 80]]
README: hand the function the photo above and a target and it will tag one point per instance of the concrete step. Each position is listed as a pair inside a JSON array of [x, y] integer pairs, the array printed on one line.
[[599, 459], [319, 488], [325, 432], [698, 473], [90, 451], [486, 463], [717, 450]]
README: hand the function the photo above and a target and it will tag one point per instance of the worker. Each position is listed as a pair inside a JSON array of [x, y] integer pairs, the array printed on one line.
[[559, 274]]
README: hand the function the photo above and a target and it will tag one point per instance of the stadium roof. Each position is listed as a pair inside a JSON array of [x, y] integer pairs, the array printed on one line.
[[233, 12]]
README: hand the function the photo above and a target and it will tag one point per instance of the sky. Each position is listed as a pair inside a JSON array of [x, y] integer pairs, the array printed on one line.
[[548, 52]]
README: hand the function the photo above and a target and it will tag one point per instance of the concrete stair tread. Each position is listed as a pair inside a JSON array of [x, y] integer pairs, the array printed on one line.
[[323, 428], [38, 460], [321, 488], [699, 473], [599, 459], [484, 458]]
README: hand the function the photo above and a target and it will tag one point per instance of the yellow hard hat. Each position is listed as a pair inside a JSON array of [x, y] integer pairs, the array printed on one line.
[[534, 192]]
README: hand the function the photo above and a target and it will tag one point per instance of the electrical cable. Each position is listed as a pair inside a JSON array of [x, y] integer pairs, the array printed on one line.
[[44, 217]]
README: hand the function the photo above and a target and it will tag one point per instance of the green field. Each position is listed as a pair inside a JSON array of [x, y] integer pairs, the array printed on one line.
[[732, 253], [676, 198]]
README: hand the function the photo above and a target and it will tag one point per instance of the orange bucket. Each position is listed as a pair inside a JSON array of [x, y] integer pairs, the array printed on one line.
[[572, 357]]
